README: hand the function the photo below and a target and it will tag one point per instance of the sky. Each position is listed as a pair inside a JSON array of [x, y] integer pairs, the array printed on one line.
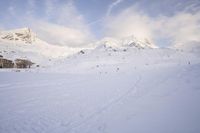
[[79, 22]]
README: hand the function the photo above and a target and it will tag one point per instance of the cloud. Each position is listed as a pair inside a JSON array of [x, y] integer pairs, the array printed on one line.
[[61, 35], [72, 30], [182, 27], [112, 5], [62, 25], [129, 22], [64, 14], [58, 23]]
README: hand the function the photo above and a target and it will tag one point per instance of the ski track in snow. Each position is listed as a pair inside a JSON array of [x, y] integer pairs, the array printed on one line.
[[107, 105], [39, 105], [116, 86], [137, 91]]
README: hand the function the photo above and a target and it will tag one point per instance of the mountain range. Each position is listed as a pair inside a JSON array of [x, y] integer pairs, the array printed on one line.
[[25, 44]]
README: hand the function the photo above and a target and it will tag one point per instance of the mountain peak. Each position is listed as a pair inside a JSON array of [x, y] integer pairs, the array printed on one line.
[[139, 43], [23, 34], [129, 41]]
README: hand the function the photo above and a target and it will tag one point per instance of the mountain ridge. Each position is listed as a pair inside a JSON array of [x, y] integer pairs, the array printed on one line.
[[23, 34]]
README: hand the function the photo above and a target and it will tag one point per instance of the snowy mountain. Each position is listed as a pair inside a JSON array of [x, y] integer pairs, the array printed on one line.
[[119, 86], [23, 35], [23, 43], [127, 42], [104, 90]]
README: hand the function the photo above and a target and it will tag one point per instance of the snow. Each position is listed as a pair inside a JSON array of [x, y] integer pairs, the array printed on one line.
[[108, 89], [163, 99], [37, 50], [130, 41], [24, 43]]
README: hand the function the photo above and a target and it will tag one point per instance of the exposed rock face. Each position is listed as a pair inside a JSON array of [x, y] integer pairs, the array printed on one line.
[[81, 52], [23, 34], [18, 63], [5, 63], [22, 63], [126, 42]]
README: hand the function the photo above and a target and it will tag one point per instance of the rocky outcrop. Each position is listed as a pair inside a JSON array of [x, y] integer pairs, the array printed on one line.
[[23, 63], [24, 35], [18, 63], [5, 63], [81, 52]]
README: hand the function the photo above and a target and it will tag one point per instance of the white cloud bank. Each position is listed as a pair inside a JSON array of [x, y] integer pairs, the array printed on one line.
[[112, 5], [68, 27], [183, 27], [61, 35], [60, 24]]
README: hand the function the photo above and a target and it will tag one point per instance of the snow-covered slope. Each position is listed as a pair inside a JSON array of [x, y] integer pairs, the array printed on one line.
[[127, 42], [193, 47], [143, 99], [120, 86], [111, 61], [23, 43]]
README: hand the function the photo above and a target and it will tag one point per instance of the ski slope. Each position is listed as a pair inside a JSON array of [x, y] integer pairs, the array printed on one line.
[[119, 86], [151, 99]]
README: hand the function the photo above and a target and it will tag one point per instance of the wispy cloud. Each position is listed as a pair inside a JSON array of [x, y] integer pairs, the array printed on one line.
[[182, 27], [61, 35], [72, 29], [112, 6], [61, 23], [128, 22], [108, 12]]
